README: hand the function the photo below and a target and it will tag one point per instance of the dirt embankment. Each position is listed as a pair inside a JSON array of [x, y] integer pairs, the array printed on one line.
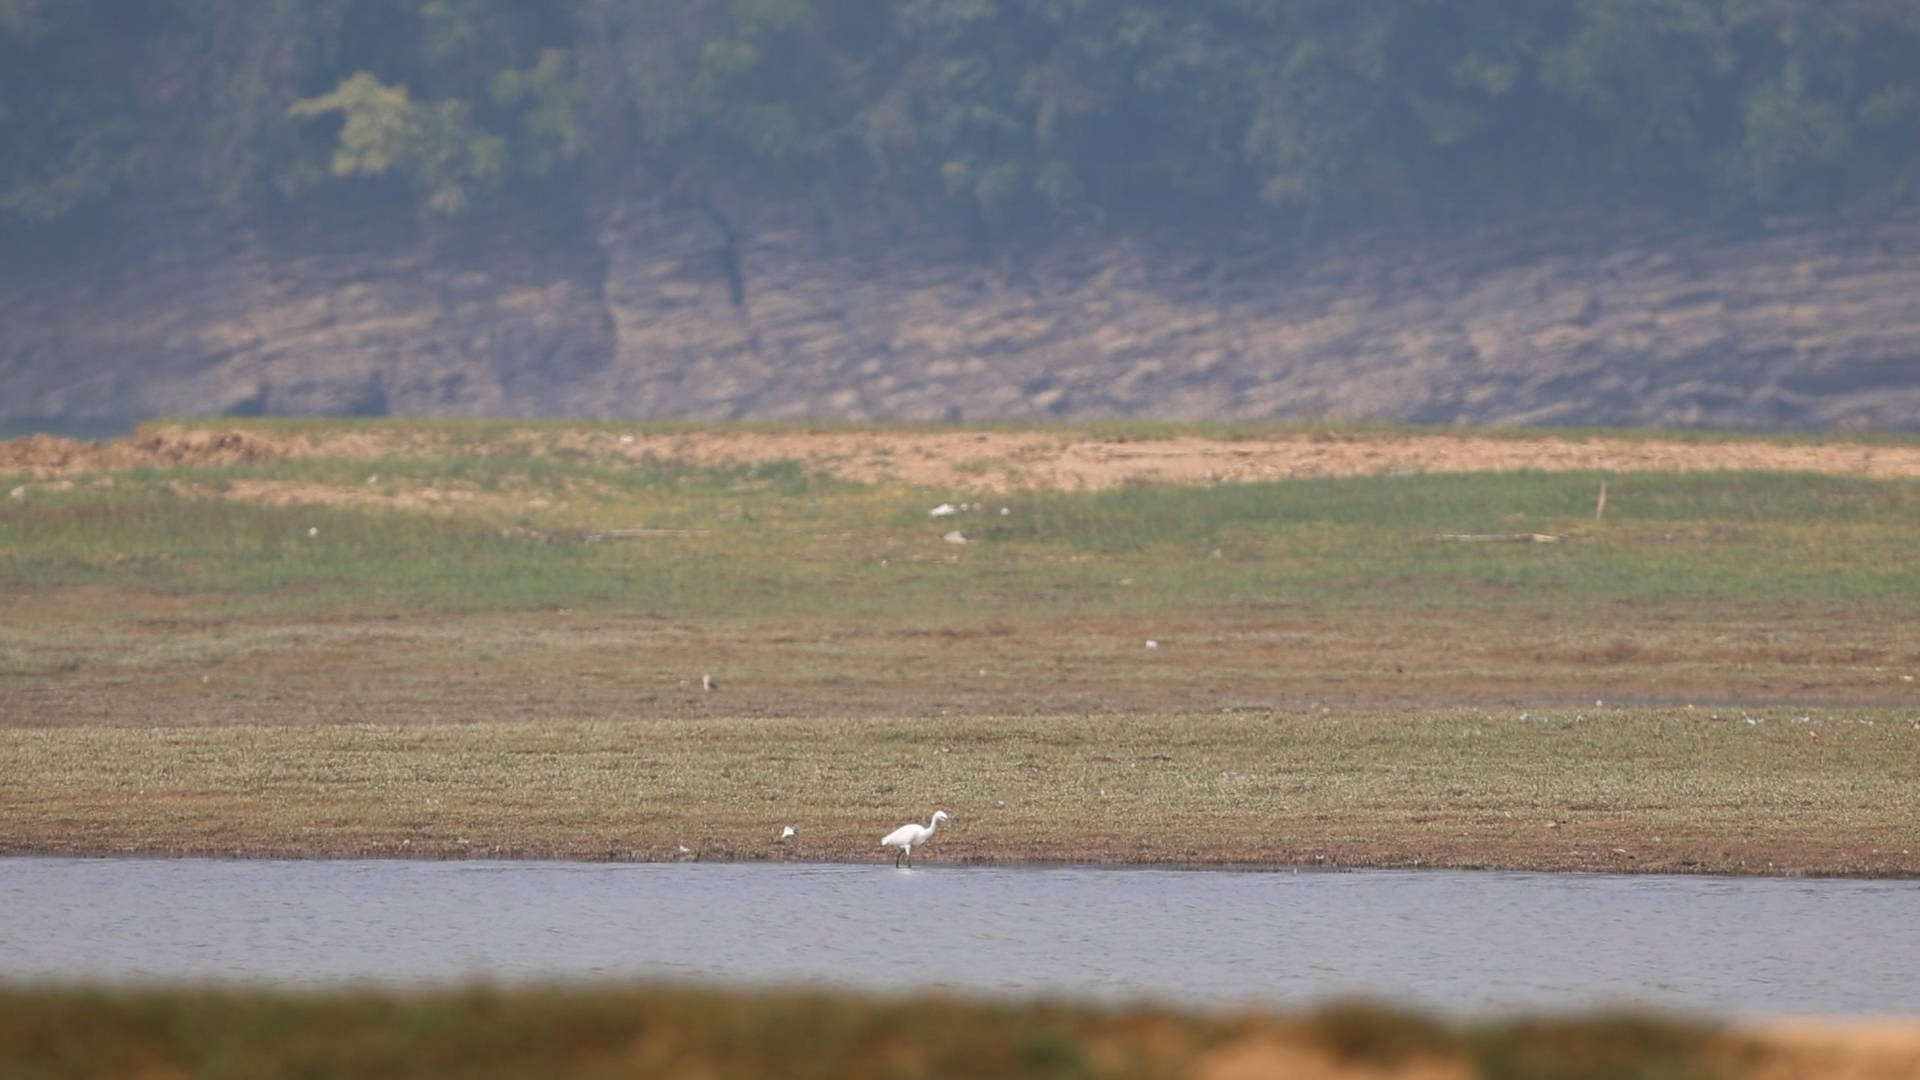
[[649, 309], [988, 460]]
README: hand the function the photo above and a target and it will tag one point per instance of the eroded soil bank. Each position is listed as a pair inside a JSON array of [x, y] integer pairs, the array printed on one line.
[[1063, 459]]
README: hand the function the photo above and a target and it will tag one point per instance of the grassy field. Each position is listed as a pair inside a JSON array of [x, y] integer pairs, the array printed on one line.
[[484, 638], [1743, 791]]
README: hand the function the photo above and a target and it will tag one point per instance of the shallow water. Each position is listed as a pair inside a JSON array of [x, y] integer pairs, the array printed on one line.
[[1450, 942]]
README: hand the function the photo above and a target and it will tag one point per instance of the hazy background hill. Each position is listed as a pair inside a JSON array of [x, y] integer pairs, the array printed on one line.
[[1572, 211]]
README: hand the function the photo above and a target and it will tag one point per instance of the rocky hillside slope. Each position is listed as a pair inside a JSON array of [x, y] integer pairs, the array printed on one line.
[[647, 309]]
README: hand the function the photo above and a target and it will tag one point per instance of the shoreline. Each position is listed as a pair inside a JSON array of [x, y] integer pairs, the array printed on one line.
[[988, 862], [1452, 789]]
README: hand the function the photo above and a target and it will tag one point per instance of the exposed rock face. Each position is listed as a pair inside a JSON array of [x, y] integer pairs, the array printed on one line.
[[654, 309]]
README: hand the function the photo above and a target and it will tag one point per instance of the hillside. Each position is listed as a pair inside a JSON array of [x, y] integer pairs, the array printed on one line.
[[1657, 212], [646, 308]]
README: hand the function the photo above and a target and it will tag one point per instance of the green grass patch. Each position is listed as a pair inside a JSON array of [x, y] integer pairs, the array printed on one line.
[[508, 532]]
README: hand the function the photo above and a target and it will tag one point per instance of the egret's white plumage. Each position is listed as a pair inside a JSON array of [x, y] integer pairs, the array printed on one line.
[[910, 836]]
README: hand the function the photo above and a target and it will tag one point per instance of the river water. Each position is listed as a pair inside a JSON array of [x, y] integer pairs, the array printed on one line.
[[1457, 943]]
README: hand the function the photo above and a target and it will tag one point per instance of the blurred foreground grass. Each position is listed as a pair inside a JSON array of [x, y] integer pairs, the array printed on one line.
[[54, 1034]]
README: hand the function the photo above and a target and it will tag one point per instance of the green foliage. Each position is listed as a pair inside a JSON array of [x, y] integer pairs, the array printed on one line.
[[1322, 110], [66, 128], [259, 57], [433, 144], [62, 150], [551, 130]]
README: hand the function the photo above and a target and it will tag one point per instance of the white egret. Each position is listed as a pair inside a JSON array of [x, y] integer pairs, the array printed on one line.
[[910, 836], [787, 833]]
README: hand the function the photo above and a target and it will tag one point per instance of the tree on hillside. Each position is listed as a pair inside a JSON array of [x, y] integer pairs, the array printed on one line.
[[1328, 111], [66, 122]]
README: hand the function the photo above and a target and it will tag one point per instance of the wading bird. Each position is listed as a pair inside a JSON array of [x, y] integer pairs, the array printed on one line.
[[908, 837]]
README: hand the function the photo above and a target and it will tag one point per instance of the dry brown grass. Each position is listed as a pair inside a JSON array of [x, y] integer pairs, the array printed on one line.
[[1062, 459], [147, 659], [1615, 789]]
